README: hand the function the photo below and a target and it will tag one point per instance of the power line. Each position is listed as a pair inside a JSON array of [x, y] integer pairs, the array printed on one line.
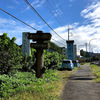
[[54, 16], [25, 14], [61, 10], [25, 23], [62, 17], [18, 19], [43, 19], [19, 10], [55, 11], [58, 42]]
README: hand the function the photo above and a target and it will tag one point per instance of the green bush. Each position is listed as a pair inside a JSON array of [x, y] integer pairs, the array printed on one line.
[[15, 83], [10, 54], [52, 59], [24, 81]]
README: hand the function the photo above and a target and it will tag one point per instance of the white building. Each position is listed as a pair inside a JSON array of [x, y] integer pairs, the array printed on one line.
[[76, 52]]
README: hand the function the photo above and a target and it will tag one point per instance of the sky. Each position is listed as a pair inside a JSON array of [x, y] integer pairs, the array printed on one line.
[[81, 16]]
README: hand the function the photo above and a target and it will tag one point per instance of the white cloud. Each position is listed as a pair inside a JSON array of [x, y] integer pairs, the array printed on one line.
[[1, 33], [6, 22], [84, 33], [15, 28], [71, 0], [36, 4], [81, 34], [92, 30], [92, 11], [17, 2], [18, 40], [57, 12]]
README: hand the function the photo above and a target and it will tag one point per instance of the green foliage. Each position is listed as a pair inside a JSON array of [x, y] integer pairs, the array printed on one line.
[[96, 57], [10, 54], [12, 62], [52, 59], [54, 47], [11, 58], [96, 72], [17, 82], [24, 81], [82, 53], [27, 63]]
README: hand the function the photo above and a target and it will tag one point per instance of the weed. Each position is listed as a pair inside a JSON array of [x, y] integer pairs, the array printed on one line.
[[96, 72]]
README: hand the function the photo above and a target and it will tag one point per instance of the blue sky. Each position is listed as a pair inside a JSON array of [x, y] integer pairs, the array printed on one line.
[[82, 15]]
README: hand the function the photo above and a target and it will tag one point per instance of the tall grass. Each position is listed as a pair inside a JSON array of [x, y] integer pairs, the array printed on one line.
[[24, 82], [96, 72], [25, 86]]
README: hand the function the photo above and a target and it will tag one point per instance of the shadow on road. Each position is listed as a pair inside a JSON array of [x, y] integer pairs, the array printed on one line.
[[62, 69], [80, 78]]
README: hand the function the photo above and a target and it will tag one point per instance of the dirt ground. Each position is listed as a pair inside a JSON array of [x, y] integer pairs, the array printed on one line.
[[80, 86]]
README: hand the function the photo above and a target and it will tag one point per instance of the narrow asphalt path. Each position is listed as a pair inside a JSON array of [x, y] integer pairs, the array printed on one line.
[[80, 86]]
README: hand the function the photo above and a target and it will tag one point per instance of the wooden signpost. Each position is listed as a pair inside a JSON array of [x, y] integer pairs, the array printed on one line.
[[39, 45], [39, 37]]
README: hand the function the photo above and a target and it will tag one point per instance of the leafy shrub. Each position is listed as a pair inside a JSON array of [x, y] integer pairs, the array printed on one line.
[[52, 59], [15, 83], [10, 54], [27, 64], [24, 81]]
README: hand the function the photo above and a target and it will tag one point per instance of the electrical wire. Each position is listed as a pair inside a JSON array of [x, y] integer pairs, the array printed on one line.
[[19, 10], [62, 17], [54, 16], [42, 19], [59, 42], [18, 19], [62, 10], [25, 23], [55, 12]]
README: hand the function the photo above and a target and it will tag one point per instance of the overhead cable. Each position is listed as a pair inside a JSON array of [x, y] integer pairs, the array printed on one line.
[[43, 19], [18, 19], [18, 10], [61, 10], [25, 23], [59, 42], [54, 16], [55, 12]]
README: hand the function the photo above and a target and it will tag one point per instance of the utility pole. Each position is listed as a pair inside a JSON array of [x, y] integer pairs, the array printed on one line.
[[69, 32], [86, 49]]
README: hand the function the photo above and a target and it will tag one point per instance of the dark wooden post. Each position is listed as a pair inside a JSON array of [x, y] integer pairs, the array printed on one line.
[[39, 62], [39, 59], [40, 37]]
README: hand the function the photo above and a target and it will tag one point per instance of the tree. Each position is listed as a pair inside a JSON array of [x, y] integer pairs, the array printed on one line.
[[53, 59], [82, 53], [10, 54]]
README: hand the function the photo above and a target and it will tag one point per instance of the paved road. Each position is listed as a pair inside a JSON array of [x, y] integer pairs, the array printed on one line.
[[80, 86]]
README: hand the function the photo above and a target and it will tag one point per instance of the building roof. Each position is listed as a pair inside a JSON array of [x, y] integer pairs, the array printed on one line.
[[70, 41]]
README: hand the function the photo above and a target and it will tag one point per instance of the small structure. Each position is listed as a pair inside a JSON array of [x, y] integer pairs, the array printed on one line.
[[70, 49]]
